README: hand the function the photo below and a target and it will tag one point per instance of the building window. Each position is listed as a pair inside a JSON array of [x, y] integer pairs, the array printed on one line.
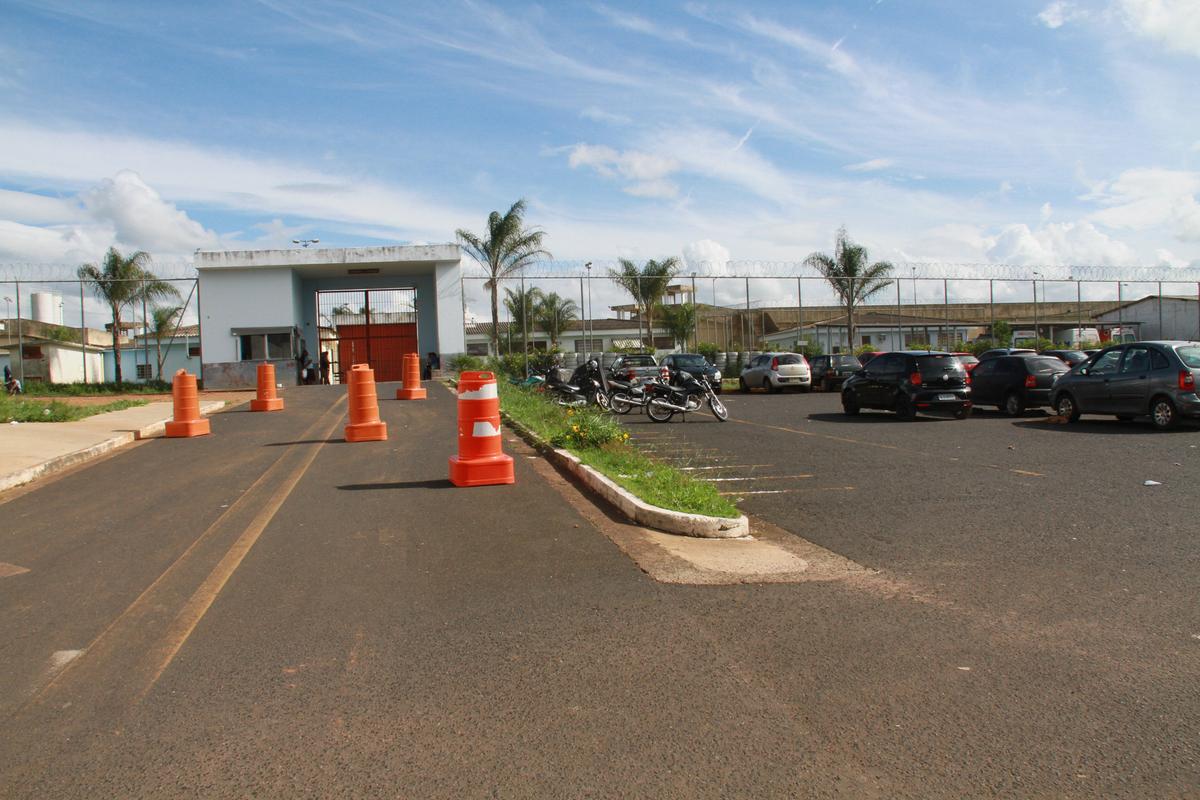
[[264, 346], [193, 351], [31, 351], [477, 348], [143, 372]]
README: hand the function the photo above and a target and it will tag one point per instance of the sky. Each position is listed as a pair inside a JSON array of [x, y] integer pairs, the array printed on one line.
[[1024, 133]]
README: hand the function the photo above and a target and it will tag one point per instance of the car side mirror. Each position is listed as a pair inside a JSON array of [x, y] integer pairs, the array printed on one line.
[[1083, 370]]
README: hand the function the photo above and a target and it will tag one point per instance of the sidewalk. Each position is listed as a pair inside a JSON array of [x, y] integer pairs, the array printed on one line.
[[30, 450]]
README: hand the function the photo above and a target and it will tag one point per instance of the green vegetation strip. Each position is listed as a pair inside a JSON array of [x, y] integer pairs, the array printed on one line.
[[18, 409], [602, 443], [93, 389]]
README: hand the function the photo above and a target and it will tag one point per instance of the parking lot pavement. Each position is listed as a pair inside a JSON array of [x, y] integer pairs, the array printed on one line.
[[272, 612]]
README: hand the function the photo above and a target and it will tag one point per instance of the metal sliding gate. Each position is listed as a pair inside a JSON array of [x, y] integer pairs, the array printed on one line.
[[367, 326]]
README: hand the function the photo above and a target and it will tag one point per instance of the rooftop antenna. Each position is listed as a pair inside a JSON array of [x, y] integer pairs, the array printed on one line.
[[305, 242]]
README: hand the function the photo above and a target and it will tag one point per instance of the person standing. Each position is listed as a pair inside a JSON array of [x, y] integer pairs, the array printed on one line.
[[325, 367]]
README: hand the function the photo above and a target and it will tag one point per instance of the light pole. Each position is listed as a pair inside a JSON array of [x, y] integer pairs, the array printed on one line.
[[306, 242], [1035, 310], [589, 325], [8, 310]]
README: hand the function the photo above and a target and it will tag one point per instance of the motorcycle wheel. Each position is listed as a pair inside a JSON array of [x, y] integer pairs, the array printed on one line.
[[620, 403], [659, 411], [602, 400], [718, 409]]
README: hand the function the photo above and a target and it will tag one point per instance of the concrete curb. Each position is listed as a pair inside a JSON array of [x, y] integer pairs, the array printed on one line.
[[641, 512], [74, 458]]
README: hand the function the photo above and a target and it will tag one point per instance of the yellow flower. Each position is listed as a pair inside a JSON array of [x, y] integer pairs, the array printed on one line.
[[575, 428], [570, 412]]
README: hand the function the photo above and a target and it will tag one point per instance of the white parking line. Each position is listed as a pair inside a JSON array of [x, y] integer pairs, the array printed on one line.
[[725, 466], [756, 478]]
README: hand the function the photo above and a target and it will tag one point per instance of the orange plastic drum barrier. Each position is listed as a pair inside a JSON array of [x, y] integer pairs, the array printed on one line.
[[188, 421], [412, 379], [267, 399], [479, 461], [364, 407]]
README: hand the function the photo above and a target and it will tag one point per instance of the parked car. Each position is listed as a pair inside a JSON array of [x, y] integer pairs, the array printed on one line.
[[864, 358], [777, 371], [968, 360], [1006, 351], [829, 371], [1015, 383], [1069, 357], [1132, 380], [692, 363], [909, 382], [634, 365]]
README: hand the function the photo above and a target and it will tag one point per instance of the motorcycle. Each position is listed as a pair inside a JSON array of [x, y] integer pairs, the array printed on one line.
[[690, 395], [624, 396], [585, 386]]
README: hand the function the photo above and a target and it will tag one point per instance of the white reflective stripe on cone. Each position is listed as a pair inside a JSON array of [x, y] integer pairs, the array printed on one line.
[[485, 392], [485, 428]]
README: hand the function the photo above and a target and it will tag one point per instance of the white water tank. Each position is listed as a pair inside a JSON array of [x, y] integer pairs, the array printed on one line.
[[46, 307]]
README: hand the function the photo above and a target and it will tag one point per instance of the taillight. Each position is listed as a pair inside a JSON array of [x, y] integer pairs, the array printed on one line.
[[915, 379], [1030, 382], [967, 378], [1187, 381], [774, 363], [629, 375], [664, 374]]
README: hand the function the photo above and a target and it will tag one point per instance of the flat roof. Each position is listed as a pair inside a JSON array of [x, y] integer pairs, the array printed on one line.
[[316, 258]]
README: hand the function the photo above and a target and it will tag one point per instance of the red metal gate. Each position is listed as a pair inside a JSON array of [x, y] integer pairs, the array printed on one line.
[[367, 326]]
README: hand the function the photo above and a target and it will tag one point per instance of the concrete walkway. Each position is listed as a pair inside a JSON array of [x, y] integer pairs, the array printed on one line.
[[30, 450]]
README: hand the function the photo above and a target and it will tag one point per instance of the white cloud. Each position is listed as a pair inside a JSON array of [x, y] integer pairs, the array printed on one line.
[[1059, 244], [706, 256], [1046, 212], [141, 219], [1143, 199], [72, 243], [1174, 23], [873, 165], [596, 114], [1166, 258], [645, 172], [1060, 13]]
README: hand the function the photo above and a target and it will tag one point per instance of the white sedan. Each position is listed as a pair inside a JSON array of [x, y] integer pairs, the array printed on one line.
[[777, 371]]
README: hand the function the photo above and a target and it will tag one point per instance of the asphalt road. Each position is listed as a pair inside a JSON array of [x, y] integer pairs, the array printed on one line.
[[270, 611]]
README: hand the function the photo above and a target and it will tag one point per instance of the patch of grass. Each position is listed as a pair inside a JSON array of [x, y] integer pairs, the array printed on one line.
[[601, 443], [23, 409], [92, 389]]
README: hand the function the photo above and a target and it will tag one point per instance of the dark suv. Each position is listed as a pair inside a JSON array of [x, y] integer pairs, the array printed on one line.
[[909, 382], [1131, 380], [1015, 383], [828, 372]]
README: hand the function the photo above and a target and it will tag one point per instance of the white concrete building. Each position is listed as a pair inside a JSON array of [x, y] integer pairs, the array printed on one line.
[[276, 305], [1158, 317]]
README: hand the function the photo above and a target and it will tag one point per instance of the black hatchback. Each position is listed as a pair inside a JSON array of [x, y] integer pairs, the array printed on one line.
[[1015, 383], [909, 382]]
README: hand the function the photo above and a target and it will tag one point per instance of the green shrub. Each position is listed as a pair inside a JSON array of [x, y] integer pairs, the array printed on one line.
[[708, 350], [587, 427], [464, 362], [89, 389]]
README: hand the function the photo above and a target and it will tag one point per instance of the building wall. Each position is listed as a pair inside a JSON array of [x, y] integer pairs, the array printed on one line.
[[1180, 318], [175, 358], [67, 364], [237, 298], [449, 303]]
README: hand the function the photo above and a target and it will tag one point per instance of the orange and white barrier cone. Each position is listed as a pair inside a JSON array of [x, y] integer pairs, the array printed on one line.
[[479, 461], [411, 368], [188, 421], [267, 399], [364, 407]]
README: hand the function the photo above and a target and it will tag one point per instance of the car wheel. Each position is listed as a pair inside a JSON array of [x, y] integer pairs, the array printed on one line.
[[1162, 413], [904, 407], [962, 413], [1065, 407], [742, 385], [767, 387], [850, 404], [1014, 406]]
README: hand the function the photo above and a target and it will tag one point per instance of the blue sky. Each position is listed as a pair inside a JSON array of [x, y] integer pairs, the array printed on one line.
[[1023, 133]]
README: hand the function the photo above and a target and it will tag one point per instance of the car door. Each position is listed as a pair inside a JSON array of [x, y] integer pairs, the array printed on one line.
[[1129, 389], [1091, 389], [983, 383], [880, 380]]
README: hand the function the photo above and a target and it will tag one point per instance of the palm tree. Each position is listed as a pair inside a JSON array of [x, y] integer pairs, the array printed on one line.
[[647, 286], [680, 321], [120, 281], [853, 280], [509, 246], [522, 307], [553, 314], [162, 320]]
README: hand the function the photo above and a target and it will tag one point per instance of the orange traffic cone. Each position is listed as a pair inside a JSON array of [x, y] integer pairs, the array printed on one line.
[[188, 421], [411, 367], [267, 399], [364, 407], [479, 461]]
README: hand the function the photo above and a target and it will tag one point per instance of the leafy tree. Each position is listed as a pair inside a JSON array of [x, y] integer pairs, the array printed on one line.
[[120, 281], [553, 314], [1002, 332], [507, 247], [852, 277], [646, 286], [680, 321], [162, 323], [522, 307]]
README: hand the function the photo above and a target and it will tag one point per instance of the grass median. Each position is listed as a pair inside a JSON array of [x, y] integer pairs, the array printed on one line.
[[602, 443], [21, 409]]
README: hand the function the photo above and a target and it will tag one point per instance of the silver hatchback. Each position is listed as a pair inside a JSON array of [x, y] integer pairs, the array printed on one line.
[[1155, 379], [777, 371]]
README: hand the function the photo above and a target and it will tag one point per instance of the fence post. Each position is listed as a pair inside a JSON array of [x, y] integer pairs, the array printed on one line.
[[1161, 334], [1120, 312], [83, 334], [525, 323], [899, 335], [992, 308], [20, 337], [695, 318], [749, 321], [945, 308], [799, 307]]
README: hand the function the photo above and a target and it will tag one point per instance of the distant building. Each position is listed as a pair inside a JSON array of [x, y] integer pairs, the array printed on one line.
[[139, 357], [48, 353], [1158, 317]]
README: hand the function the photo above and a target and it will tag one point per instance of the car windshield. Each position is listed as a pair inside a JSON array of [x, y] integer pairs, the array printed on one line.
[[1073, 355], [639, 361], [1046, 366], [691, 362], [940, 365], [967, 360], [790, 358], [1190, 356], [847, 361]]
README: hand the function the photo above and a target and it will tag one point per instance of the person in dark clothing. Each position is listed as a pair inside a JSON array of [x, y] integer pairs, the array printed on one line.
[[306, 366], [325, 367], [432, 362]]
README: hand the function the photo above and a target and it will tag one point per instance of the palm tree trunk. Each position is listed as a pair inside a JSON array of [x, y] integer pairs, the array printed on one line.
[[495, 317], [116, 315], [850, 325], [650, 325], [158, 353]]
